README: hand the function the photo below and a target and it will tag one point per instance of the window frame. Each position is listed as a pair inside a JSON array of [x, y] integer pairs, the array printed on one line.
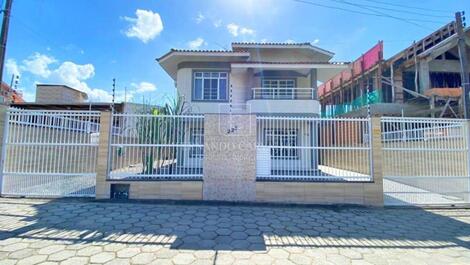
[[196, 152], [193, 84], [292, 153], [278, 80]]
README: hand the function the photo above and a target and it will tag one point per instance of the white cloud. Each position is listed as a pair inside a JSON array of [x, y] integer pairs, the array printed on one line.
[[145, 27], [71, 74], [315, 41], [12, 67], [217, 23], [28, 96], [247, 31], [144, 87], [236, 30], [76, 75], [200, 17], [289, 41], [68, 73], [196, 44], [233, 29], [38, 64]]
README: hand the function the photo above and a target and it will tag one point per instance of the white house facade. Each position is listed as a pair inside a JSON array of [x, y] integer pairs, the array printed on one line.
[[261, 78], [266, 79]]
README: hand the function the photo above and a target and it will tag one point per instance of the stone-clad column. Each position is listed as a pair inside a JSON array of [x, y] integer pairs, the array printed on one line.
[[102, 187], [373, 193], [229, 157]]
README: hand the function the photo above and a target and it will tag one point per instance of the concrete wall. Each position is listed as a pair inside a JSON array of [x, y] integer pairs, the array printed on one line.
[[58, 94], [308, 107], [319, 193]]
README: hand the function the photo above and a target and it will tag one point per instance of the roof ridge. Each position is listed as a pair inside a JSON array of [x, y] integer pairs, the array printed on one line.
[[270, 43]]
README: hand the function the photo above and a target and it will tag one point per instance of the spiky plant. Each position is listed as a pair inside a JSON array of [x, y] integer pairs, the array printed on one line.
[[160, 130]]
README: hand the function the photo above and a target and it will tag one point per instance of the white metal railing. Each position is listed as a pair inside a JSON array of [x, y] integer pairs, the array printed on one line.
[[426, 161], [50, 153], [307, 148], [414, 129], [157, 146], [55, 120], [283, 93]]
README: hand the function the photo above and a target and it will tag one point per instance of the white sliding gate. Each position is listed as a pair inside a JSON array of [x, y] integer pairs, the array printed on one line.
[[146, 146], [425, 161], [309, 148], [50, 153]]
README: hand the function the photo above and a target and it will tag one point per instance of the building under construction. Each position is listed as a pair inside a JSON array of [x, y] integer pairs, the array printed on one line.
[[423, 80]]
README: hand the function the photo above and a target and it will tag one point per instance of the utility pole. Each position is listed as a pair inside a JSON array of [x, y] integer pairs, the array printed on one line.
[[114, 93], [463, 64], [4, 35]]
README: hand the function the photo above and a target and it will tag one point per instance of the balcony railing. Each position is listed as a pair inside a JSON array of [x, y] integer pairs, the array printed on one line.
[[283, 93]]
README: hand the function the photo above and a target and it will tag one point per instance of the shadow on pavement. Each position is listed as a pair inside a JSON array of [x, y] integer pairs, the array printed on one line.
[[231, 227]]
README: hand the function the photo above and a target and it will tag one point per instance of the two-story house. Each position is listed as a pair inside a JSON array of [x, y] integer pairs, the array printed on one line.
[[257, 78], [252, 77]]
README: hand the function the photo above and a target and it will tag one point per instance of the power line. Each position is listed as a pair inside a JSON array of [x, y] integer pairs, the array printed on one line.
[[407, 11], [379, 12], [407, 6], [366, 13]]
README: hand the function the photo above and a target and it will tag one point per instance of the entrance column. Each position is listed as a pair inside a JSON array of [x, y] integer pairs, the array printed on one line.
[[229, 157]]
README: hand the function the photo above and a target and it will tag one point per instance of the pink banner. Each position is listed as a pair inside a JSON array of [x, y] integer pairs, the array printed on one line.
[[373, 56]]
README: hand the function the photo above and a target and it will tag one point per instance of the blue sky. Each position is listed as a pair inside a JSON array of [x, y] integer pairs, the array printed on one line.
[[87, 43]]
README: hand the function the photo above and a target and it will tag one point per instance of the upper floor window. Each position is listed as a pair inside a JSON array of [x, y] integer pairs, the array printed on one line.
[[210, 86], [278, 83]]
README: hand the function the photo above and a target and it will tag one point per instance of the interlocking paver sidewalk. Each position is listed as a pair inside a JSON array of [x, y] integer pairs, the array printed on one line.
[[87, 232]]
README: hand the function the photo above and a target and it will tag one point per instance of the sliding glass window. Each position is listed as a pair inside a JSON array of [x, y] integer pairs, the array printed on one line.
[[210, 86]]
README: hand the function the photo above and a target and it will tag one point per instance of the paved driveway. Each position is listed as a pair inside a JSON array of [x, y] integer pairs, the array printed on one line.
[[78, 232]]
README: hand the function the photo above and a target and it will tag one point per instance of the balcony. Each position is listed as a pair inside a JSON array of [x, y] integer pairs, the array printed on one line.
[[283, 93], [284, 100]]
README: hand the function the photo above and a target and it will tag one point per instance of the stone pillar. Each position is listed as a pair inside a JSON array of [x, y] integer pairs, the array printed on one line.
[[229, 157], [102, 186], [3, 134], [373, 194]]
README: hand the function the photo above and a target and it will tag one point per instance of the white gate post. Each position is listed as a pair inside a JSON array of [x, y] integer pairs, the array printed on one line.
[[4, 117]]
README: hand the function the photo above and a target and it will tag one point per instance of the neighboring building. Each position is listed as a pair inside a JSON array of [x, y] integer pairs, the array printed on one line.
[[61, 94], [422, 80], [94, 106], [252, 77], [9, 95]]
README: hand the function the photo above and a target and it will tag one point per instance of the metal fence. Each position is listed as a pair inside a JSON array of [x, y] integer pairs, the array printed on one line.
[[307, 148], [157, 147], [50, 153], [425, 161]]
